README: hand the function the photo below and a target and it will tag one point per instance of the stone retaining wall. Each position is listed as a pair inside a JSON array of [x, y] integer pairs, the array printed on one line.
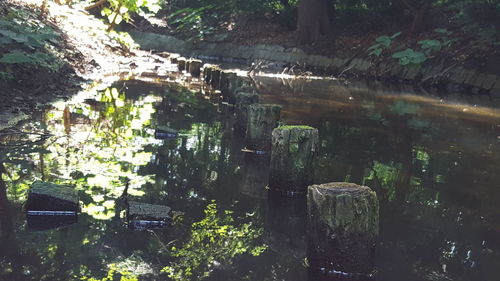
[[453, 79]]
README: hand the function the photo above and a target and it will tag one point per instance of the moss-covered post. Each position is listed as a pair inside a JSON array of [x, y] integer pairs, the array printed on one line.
[[292, 155], [243, 100], [261, 120], [343, 221], [181, 64], [195, 67]]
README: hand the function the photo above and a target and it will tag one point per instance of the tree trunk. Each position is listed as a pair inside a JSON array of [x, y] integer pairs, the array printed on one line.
[[419, 13], [314, 20]]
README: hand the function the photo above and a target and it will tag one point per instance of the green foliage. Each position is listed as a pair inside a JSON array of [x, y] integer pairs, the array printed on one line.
[[383, 42], [214, 240], [24, 42], [404, 108], [192, 21], [121, 10], [430, 46], [124, 39], [114, 274], [410, 57]]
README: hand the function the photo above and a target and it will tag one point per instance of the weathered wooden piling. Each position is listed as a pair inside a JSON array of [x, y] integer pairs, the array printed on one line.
[[51, 199], [343, 220], [292, 155], [181, 64], [215, 77], [207, 73], [243, 100], [174, 58], [225, 83], [143, 216], [195, 67], [261, 120]]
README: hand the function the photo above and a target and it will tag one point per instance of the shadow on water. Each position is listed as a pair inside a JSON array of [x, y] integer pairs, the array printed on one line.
[[433, 165]]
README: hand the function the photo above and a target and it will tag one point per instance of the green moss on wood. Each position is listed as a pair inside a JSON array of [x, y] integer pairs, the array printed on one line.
[[62, 192], [291, 127]]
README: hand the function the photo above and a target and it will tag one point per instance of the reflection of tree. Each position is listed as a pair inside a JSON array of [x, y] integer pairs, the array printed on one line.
[[213, 244]]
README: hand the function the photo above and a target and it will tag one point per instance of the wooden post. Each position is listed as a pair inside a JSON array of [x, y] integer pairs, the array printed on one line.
[[51, 199], [181, 64], [292, 155], [174, 58], [215, 77], [188, 63], [343, 221], [143, 216], [229, 82], [243, 100], [262, 119], [207, 73], [195, 67]]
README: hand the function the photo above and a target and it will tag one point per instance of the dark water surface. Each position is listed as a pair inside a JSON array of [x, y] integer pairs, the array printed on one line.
[[434, 166]]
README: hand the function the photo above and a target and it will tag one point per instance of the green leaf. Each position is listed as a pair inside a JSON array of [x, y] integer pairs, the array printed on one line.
[[376, 52], [374, 46]]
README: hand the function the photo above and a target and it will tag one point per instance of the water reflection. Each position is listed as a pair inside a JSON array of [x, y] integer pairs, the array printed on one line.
[[433, 166]]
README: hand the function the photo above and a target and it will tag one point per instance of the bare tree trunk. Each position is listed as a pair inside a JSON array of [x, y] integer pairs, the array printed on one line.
[[313, 20]]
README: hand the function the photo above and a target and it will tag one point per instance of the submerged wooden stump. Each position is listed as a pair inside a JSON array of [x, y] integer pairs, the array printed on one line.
[[243, 100], [51, 199], [343, 221], [292, 155], [261, 120], [181, 64], [195, 67]]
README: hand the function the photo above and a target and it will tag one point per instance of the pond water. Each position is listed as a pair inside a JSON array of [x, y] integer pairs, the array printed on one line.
[[433, 164]]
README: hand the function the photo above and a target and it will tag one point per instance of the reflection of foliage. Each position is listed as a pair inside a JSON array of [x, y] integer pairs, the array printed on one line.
[[214, 241], [113, 274], [403, 108], [386, 175]]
